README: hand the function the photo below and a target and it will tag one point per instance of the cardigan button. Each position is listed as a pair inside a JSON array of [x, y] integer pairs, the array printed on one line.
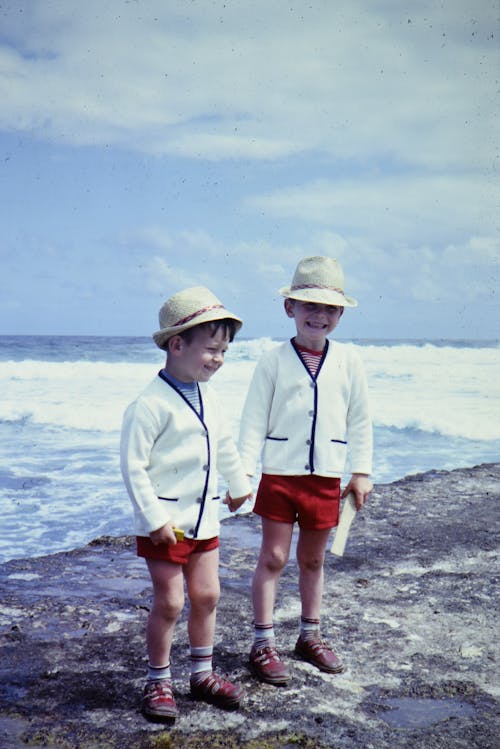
[[205, 467], [308, 442], [191, 532], [307, 467], [311, 413], [199, 500]]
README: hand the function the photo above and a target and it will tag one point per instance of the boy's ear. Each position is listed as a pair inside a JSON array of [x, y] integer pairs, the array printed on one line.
[[175, 344], [289, 307]]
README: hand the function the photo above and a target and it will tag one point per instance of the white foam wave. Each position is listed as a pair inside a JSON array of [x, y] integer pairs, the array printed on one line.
[[449, 391], [76, 395], [60, 483], [443, 390]]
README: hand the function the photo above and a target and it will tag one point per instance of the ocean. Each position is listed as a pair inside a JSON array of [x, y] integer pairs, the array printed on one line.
[[436, 405]]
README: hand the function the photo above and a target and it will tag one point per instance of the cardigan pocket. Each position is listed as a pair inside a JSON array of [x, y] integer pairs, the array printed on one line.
[[337, 452], [275, 452], [169, 499]]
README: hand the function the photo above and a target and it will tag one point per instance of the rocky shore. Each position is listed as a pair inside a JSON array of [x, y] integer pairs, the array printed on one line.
[[411, 607]]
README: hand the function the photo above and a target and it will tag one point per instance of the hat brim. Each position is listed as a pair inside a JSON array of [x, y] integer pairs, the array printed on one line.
[[162, 336], [319, 296]]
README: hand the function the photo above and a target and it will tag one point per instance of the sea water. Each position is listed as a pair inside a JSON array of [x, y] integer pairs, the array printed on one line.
[[436, 405]]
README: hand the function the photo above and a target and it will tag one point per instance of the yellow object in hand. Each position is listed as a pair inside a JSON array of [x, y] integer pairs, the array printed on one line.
[[179, 534]]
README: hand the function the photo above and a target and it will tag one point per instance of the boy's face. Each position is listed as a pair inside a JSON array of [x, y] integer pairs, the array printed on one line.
[[314, 322], [199, 359]]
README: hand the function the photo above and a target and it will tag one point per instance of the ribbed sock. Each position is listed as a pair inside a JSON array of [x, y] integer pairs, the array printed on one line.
[[201, 662], [309, 628], [263, 634], [159, 672]]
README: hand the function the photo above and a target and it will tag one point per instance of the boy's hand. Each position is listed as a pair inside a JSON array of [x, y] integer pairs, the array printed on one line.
[[163, 535], [234, 503], [361, 486]]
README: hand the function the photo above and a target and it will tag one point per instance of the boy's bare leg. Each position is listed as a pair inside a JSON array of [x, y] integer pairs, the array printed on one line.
[[168, 602], [310, 557], [202, 580], [264, 660], [310, 647], [274, 553]]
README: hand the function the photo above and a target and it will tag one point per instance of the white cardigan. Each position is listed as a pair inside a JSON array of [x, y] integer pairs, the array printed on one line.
[[170, 457], [307, 425]]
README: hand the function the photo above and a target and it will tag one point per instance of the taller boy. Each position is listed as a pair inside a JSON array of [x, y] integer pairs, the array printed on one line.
[[306, 410]]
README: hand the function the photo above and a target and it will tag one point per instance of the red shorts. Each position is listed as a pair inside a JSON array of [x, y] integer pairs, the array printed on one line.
[[311, 500], [178, 553]]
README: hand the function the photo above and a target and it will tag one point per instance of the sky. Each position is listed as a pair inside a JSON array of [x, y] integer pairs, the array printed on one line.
[[151, 145]]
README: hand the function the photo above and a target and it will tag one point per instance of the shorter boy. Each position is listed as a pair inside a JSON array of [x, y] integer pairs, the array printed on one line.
[[174, 442], [305, 412]]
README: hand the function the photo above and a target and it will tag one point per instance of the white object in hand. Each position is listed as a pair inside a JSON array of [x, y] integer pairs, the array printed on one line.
[[346, 517]]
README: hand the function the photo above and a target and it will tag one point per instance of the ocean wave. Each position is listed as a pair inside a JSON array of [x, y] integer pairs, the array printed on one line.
[[449, 391], [61, 408]]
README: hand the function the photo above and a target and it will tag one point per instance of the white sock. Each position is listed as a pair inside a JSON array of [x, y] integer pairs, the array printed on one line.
[[309, 628], [159, 672], [201, 662], [263, 634]]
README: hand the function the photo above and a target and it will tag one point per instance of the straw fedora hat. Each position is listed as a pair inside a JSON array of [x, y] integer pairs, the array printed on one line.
[[321, 280], [188, 308]]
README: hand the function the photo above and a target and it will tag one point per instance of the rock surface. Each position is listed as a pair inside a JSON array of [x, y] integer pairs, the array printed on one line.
[[410, 607]]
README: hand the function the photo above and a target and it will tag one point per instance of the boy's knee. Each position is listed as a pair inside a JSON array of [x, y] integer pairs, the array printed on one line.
[[169, 608], [275, 560], [310, 564], [207, 598]]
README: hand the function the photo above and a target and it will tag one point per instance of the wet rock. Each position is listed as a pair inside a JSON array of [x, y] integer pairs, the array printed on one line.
[[411, 607]]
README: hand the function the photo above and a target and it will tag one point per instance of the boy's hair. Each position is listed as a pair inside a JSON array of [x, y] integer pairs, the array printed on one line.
[[229, 326]]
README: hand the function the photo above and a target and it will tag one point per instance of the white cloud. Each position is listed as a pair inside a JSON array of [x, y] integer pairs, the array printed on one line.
[[389, 208], [483, 250], [215, 147], [402, 274], [161, 277], [378, 123], [354, 80]]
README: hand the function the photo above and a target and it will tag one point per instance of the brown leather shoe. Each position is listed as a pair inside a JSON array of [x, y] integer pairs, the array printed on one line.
[[158, 702], [317, 652], [267, 666], [217, 691]]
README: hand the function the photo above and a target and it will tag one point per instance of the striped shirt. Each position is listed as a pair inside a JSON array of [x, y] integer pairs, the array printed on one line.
[[310, 358], [189, 390]]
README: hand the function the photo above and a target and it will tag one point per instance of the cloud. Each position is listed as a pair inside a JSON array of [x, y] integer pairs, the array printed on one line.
[[452, 275], [163, 277], [240, 136], [418, 273], [353, 80], [215, 147], [389, 208]]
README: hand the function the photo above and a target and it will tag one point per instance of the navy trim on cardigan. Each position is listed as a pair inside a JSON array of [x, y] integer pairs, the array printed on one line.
[[315, 400], [199, 416]]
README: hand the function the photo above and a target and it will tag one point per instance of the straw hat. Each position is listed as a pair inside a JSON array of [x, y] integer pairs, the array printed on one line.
[[188, 308], [321, 280]]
